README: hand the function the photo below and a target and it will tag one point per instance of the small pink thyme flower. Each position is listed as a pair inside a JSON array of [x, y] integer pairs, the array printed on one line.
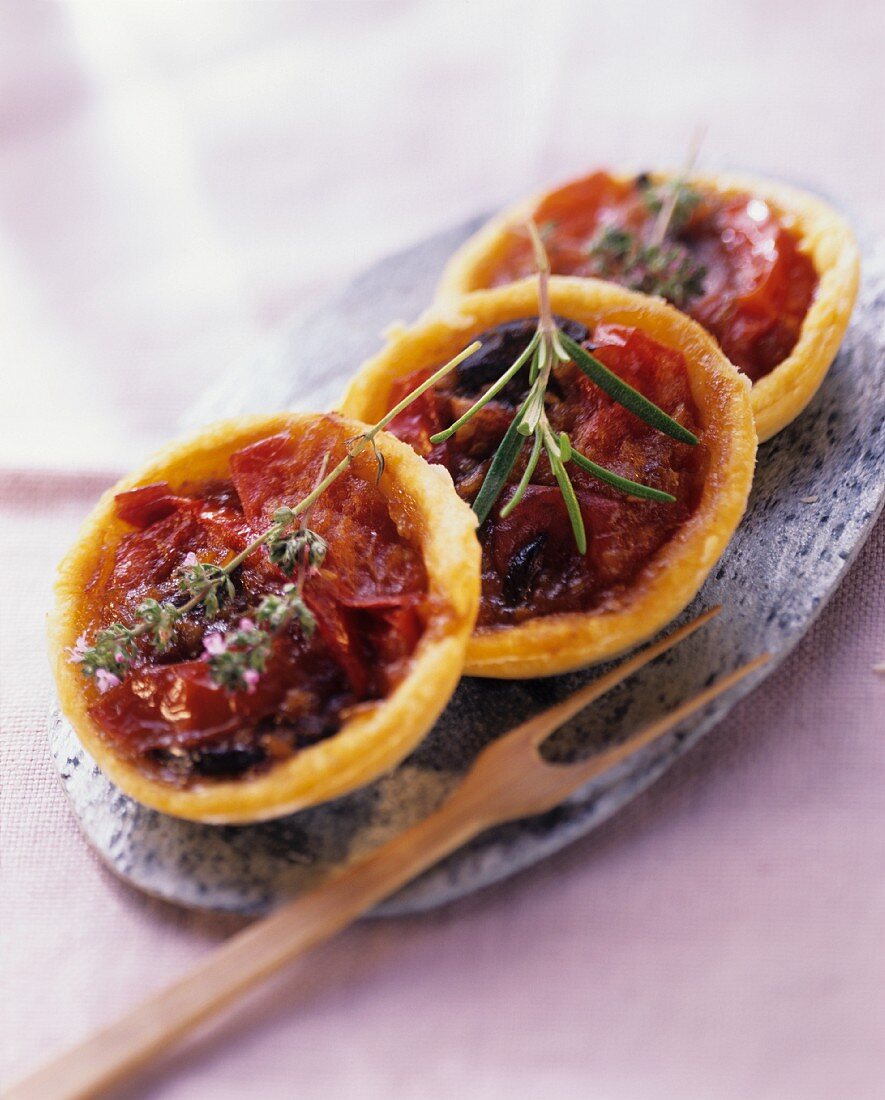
[[105, 680], [190, 558], [78, 650], [251, 676], [247, 624], [214, 644]]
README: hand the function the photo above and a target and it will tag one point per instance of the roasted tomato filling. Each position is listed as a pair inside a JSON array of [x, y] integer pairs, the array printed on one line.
[[727, 261], [531, 565], [368, 599]]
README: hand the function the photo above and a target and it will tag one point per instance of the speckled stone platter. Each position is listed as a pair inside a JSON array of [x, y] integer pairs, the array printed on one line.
[[819, 487]]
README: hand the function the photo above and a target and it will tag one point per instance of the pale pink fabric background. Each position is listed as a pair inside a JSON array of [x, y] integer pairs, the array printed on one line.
[[178, 179]]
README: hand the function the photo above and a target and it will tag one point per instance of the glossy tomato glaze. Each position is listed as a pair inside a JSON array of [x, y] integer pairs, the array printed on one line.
[[530, 563], [368, 600], [757, 284]]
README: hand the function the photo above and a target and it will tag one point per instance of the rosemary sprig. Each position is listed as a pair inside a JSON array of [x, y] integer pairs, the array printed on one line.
[[237, 658], [550, 346]]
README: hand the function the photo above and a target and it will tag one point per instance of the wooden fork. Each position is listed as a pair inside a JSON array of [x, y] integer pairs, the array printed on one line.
[[509, 780]]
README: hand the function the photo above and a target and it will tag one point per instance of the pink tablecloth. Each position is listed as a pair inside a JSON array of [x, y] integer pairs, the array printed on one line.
[[174, 181]]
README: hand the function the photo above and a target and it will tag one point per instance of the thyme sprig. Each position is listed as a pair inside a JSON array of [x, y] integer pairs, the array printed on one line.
[[238, 657], [657, 264], [667, 269], [549, 347]]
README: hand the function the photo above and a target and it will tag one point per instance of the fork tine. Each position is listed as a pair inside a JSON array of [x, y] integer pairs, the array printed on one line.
[[536, 730], [585, 770]]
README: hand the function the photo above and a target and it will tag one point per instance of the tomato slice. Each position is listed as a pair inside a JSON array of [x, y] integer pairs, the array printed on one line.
[[147, 504]]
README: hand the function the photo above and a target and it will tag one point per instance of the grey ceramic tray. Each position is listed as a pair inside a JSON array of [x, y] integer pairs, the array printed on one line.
[[818, 490]]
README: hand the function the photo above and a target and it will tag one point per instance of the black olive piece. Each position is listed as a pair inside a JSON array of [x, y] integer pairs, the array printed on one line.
[[523, 569], [225, 761], [501, 347]]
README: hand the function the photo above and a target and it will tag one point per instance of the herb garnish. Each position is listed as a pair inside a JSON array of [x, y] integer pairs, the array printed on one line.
[[667, 270], [237, 659], [548, 347], [656, 264]]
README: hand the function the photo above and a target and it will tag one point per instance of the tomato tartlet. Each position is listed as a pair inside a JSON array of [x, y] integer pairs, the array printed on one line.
[[546, 607], [390, 605]]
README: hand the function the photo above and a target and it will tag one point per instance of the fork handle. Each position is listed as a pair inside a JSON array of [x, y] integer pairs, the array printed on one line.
[[110, 1055]]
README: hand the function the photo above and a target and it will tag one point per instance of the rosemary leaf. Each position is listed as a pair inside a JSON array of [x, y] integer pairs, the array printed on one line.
[[571, 501], [558, 350], [533, 411], [499, 471], [525, 479], [625, 395], [540, 360], [632, 488]]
